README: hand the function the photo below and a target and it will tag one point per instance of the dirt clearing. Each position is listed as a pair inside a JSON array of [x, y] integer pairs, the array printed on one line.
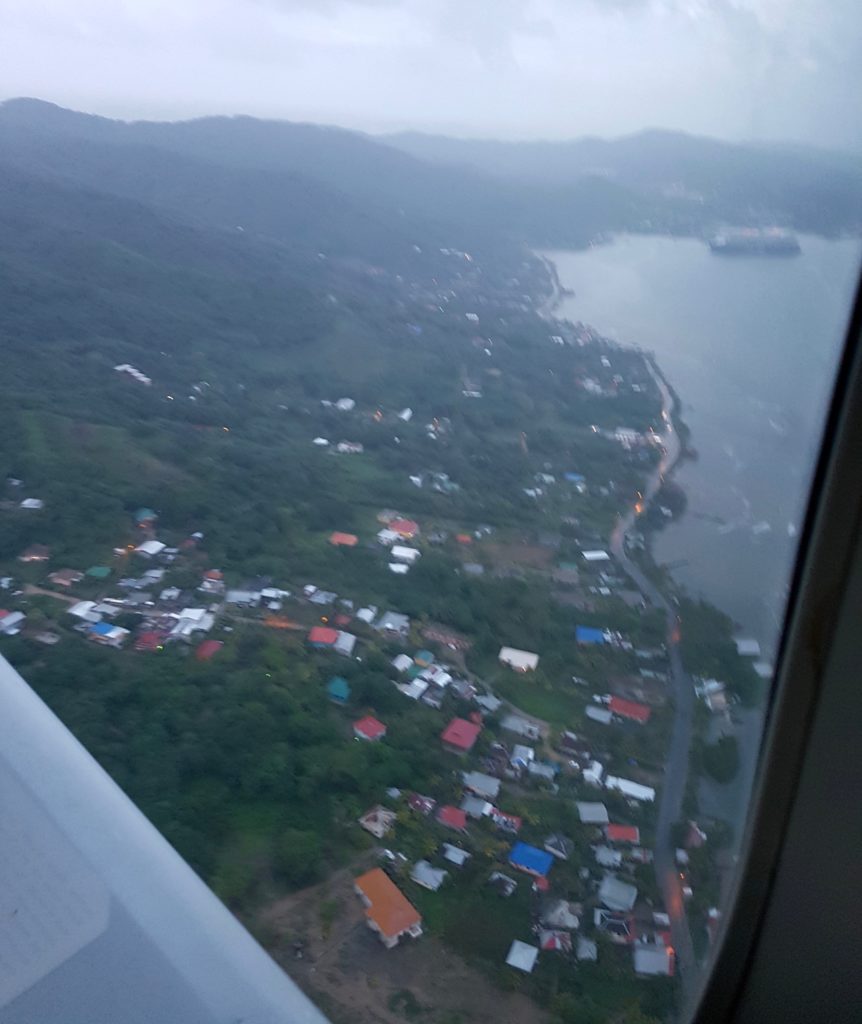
[[345, 969]]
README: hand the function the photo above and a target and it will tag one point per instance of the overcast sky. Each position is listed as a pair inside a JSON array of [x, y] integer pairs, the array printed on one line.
[[786, 69]]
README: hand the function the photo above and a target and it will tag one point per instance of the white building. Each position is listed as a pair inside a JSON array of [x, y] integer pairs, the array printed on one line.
[[522, 956], [616, 894], [455, 855], [150, 548], [592, 774], [633, 790], [400, 553], [652, 959], [82, 609], [10, 625], [344, 644], [520, 661], [598, 714], [427, 876]]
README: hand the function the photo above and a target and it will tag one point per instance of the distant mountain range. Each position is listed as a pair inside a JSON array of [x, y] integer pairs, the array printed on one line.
[[803, 187], [315, 188]]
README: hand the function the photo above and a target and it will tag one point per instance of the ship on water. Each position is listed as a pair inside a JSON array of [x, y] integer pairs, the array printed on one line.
[[755, 242]]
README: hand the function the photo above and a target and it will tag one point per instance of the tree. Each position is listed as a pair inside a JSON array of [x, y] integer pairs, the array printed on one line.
[[297, 856], [721, 759]]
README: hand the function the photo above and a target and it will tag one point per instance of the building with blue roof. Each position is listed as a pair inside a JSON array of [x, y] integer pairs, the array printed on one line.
[[108, 634], [338, 690], [530, 859], [589, 635]]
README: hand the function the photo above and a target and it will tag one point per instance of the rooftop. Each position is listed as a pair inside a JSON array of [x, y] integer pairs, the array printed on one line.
[[521, 661], [482, 784], [452, 817], [387, 906], [427, 876], [629, 709], [208, 649], [369, 728], [530, 859], [617, 894], [589, 635], [461, 734], [323, 635], [623, 834], [592, 813], [343, 540], [522, 956]]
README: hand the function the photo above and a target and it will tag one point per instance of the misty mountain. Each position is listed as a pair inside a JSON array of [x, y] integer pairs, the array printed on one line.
[[802, 186], [331, 187]]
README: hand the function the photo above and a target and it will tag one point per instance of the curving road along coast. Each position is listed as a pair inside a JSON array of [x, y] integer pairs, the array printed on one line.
[[676, 766]]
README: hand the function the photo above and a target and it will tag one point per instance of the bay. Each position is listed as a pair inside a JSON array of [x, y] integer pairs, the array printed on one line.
[[750, 345]]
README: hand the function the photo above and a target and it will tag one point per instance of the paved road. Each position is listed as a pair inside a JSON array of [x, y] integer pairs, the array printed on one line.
[[676, 767]]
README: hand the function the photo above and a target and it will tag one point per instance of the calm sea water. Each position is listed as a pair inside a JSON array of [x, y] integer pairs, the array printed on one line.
[[750, 344]]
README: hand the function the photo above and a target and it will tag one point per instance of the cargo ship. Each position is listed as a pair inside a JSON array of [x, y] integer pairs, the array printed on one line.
[[755, 242]]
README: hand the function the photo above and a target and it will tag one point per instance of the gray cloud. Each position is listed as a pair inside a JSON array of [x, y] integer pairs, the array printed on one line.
[[515, 68]]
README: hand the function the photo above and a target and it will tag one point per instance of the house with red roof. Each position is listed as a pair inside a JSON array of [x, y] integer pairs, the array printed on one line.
[[343, 540], [630, 710], [369, 729], [623, 834], [208, 649], [452, 817], [322, 637], [150, 640], [459, 736], [406, 528]]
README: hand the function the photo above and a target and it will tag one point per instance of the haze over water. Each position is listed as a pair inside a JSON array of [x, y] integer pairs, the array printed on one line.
[[750, 344]]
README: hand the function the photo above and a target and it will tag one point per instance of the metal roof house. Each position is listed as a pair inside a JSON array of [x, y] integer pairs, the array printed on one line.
[[387, 910], [518, 660], [427, 876], [481, 784], [338, 690], [459, 736], [592, 813], [530, 859], [522, 956], [616, 894]]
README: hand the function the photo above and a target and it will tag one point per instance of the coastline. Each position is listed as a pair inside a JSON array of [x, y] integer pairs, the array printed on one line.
[[679, 777]]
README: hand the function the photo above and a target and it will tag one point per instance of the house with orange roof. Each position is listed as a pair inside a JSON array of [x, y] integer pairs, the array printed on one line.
[[387, 910], [343, 540]]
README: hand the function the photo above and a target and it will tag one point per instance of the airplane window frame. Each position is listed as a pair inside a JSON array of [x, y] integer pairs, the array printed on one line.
[[821, 585]]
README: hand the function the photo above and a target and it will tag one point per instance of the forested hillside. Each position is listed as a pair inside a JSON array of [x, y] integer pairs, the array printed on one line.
[[803, 187]]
